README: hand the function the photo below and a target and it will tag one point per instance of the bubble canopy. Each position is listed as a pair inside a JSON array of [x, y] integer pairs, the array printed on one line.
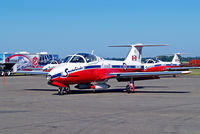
[[81, 58], [154, 60]]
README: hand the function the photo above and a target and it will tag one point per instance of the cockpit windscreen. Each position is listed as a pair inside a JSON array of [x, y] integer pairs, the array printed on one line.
[[88, 57]]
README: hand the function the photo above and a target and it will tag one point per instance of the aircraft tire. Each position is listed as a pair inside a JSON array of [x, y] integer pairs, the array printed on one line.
[[129, 89], [2, 73], [8, 73], [61, 90], [64, 90], [67, 89]]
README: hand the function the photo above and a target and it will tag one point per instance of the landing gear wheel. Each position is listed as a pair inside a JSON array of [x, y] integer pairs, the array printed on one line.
[[129, 89], [131, 86], [63, 90], [8, 73], [2, 73], [67, 89]]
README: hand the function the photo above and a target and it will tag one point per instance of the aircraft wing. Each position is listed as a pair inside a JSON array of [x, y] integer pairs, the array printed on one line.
[[33, 72], [6, 66], [146, 74], [31, 68], [181, 68]]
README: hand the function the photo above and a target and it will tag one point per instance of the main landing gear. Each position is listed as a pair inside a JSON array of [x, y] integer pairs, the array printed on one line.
[[64, 90], [131, 86], [6, 73]]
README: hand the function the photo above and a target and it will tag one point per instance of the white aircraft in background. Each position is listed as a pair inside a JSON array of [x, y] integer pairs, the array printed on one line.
[[49, 67], [88, 71]]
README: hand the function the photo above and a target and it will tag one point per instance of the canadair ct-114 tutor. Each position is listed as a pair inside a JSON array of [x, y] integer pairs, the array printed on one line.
[[158, 65], [88, 71]]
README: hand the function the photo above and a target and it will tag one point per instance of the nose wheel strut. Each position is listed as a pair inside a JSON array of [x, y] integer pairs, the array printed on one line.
[[64, 90]]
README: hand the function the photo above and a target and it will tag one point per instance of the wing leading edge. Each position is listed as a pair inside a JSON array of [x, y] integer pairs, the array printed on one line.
[[33, 72], [143, 74], [181, 68]]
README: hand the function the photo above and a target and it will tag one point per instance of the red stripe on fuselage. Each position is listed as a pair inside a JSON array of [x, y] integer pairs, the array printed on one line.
[[90, 75], [159, 68]]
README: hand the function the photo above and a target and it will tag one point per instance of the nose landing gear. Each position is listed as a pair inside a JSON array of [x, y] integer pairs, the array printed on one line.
[[64, 90]]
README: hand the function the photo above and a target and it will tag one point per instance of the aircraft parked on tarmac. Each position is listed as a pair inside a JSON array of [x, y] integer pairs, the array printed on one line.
[[88, 71], [158, 65], [49, 67]]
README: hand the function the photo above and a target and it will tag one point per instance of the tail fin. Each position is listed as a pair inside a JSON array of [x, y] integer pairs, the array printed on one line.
[[135, 53], [177, 58], [92, 52]]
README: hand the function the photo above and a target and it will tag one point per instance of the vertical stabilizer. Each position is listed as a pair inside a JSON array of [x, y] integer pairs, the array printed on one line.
[[176, 59], [135, 53]]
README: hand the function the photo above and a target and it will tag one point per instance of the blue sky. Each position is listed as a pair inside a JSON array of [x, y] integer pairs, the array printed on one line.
[[69, 26]]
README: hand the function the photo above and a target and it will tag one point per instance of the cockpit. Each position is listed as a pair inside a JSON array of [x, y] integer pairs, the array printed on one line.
[[151, 61], [54, 62], [66, 60], [80, 58]]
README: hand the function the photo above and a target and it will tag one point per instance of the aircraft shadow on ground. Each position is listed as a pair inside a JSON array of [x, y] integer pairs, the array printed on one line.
[[42, 90], [121, 90], [142, 87]]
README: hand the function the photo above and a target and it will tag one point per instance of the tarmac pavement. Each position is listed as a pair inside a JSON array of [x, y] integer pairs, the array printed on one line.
[[164, 106]]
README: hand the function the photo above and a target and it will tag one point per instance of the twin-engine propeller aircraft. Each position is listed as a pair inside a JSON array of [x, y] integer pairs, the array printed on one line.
[[158, 65], [88, 71]]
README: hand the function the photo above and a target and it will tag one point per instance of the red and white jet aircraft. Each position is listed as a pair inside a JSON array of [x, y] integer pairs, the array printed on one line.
[[151, 65], [88, 71]]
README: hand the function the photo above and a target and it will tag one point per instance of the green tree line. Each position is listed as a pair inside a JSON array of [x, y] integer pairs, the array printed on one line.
[[163, 58]]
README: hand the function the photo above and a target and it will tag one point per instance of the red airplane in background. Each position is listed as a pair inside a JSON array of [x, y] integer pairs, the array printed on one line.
[[151, 65]]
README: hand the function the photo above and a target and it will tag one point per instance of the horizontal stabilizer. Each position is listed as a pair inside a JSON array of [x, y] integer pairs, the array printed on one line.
[[33, 72], [169, 54], [139, 45], [135, 53]]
